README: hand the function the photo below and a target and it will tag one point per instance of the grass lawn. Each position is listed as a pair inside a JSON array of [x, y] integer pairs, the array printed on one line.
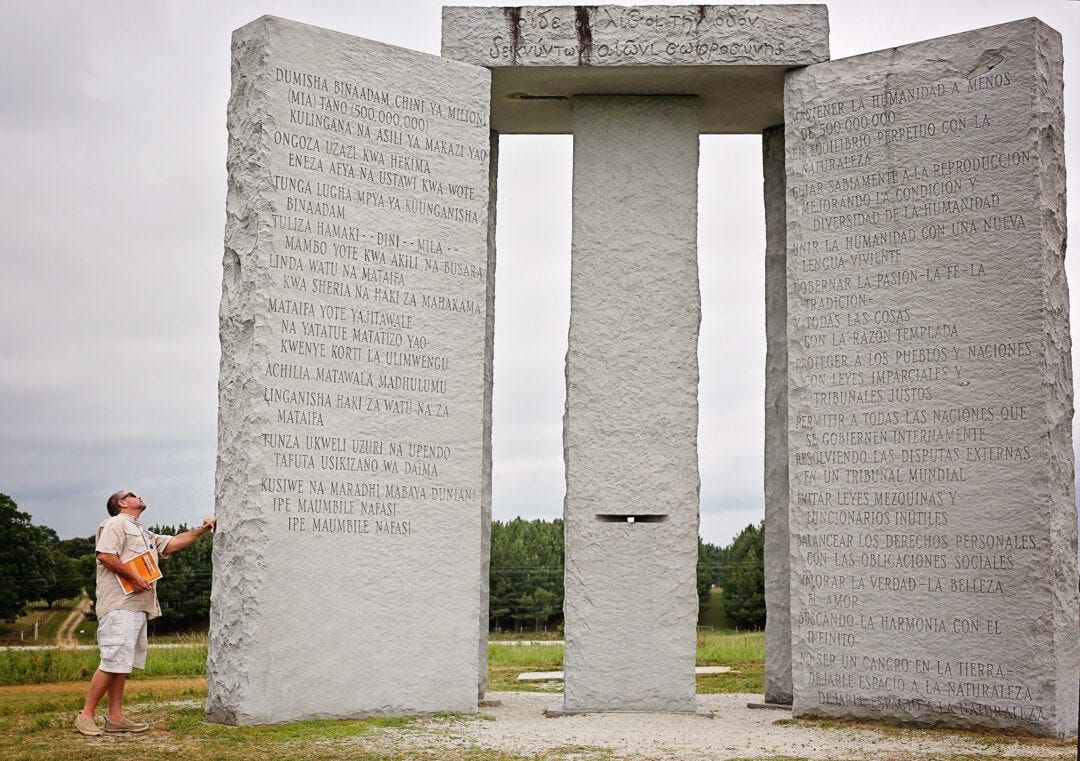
[[505, 662], [51, 666], [36, 718], [36, 724], [552, 634], [744, 652], [713, 615]]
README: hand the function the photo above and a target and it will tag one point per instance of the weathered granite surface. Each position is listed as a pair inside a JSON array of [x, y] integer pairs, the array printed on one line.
[[732, 57], [630, 432], [645, 35], [352, 472], [777, 538], [933, 517]]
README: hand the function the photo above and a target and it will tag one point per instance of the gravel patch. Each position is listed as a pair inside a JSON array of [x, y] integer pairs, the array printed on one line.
[[518, 725]]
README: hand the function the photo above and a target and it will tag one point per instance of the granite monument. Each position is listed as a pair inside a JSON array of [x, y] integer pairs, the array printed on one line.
[[920, 515]]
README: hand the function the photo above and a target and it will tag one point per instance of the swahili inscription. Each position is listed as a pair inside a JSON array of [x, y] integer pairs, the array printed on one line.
[[918, 420], [351, 424], [375, 203]]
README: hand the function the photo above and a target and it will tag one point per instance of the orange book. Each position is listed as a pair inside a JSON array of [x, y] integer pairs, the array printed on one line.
[[145, 566]]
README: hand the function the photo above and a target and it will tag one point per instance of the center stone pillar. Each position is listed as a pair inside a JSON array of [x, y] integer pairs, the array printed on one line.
[[630, 432]]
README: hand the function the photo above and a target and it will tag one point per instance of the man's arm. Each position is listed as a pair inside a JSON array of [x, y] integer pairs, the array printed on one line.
[[112, 562], [186, 539]]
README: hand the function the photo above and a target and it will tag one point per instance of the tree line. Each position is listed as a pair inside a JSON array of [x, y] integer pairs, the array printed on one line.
[[37, 565], [526, 573]]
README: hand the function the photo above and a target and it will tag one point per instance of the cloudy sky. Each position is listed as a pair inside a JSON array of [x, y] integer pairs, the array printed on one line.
[[112, 118]]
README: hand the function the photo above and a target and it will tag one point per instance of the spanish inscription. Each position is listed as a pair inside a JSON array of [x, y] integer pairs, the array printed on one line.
[[917, 428]]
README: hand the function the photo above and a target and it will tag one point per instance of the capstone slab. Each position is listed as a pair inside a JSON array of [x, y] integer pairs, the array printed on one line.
[[732, 57], [932, 508], [354, 319]]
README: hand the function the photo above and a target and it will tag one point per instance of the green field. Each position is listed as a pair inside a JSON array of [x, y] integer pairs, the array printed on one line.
[[45, 690], [712, 616], [743, 652]]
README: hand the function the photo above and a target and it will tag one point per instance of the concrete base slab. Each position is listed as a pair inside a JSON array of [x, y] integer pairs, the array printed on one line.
[[554, 676], [540, 676], [773, 706], [557, 712]]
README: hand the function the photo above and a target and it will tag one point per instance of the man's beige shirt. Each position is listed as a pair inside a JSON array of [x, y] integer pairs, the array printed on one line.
[[125, 537]]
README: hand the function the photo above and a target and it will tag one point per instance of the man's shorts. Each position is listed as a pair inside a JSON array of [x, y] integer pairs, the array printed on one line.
[[121, 636]]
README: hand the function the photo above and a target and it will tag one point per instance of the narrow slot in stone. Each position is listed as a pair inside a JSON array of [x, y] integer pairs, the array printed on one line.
[[611, 518]]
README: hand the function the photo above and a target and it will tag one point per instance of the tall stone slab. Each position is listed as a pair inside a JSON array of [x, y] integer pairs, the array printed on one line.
[[777, 534], [933, 519], [355, 304], [630, 433]]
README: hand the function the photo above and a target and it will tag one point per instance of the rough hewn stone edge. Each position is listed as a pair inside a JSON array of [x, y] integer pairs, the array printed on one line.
[[489, 376], [239, 566], [1047, 129], [1046, 136], [778, 687]]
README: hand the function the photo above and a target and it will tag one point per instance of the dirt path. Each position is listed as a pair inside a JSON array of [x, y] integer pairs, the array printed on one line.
[[66, 636]]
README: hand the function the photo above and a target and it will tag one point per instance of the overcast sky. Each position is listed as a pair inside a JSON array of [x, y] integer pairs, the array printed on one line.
[[112, 118]]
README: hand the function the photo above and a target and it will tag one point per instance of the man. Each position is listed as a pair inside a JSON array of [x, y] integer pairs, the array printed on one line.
[[122, 618]]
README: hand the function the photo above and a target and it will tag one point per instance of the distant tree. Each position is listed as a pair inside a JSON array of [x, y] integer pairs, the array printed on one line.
[[84, 564], [744, 579], [184, 589], [86, 567], [714, 558], [704, 574], [26, 562], [526, 575], [50, 536], [77, 547], [68, 580]]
